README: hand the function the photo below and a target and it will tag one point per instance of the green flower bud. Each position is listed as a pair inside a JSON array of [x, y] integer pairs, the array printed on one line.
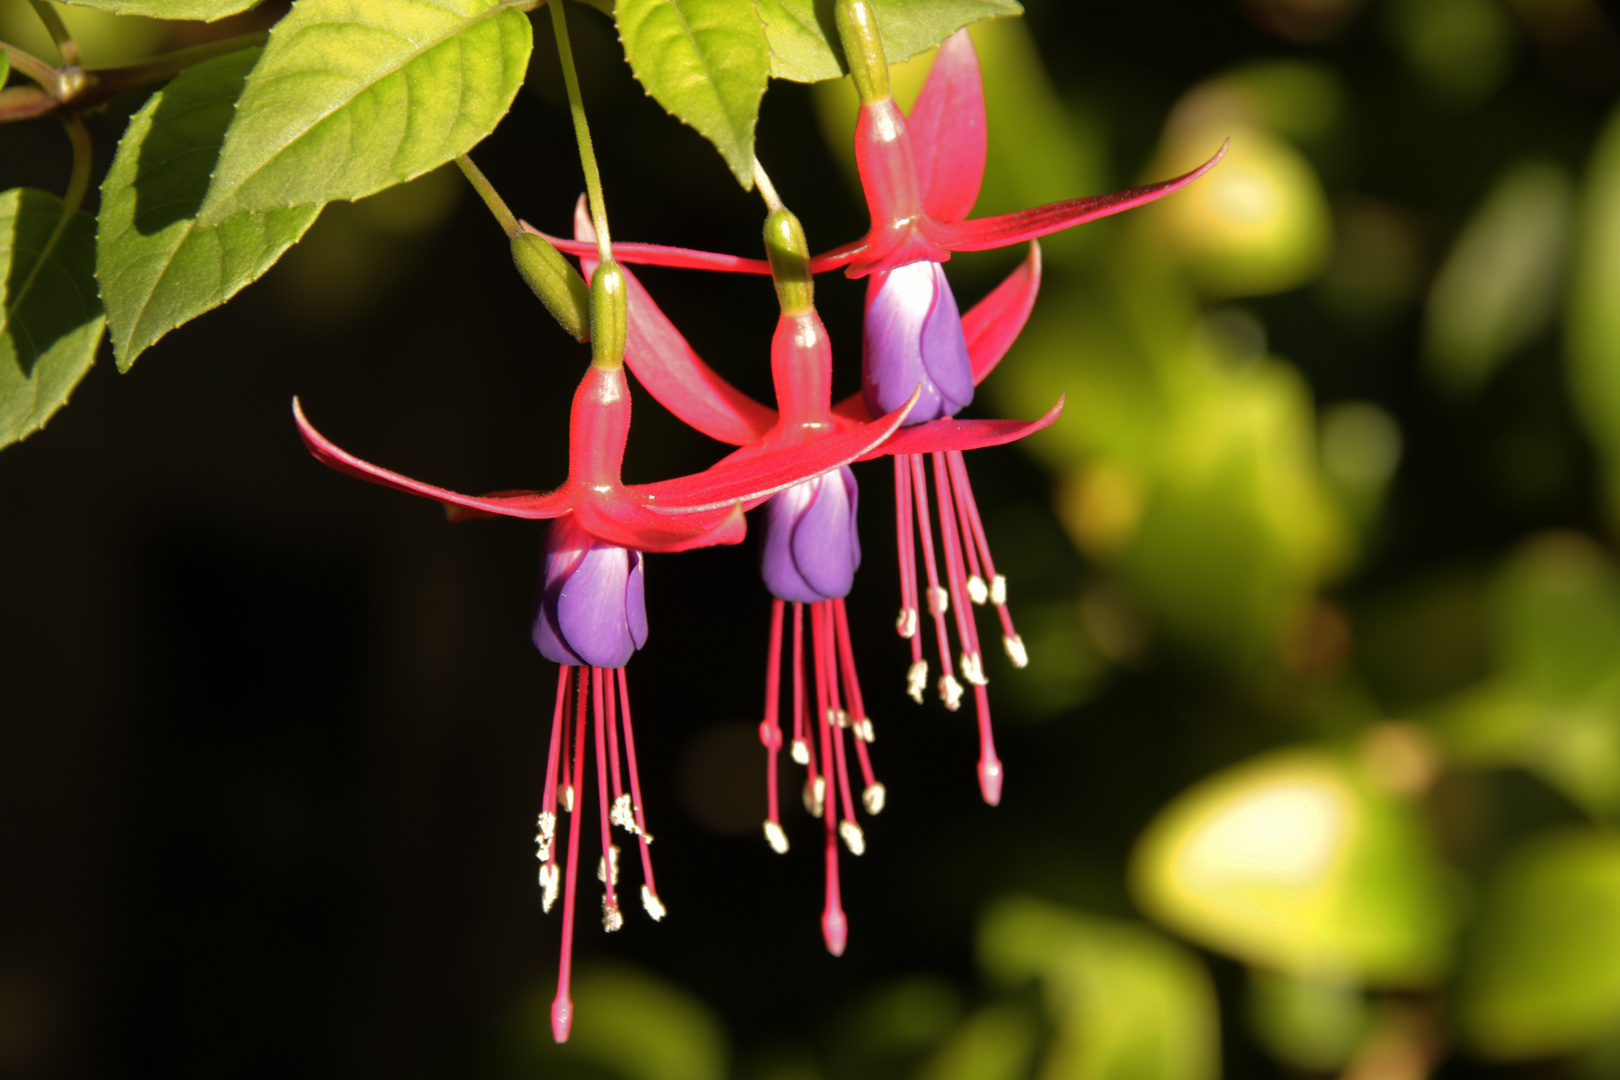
[[555, 281], [610, 313], [790, 262]]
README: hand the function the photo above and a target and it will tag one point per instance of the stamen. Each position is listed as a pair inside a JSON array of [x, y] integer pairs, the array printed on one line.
[[608, 874], [970, 511], [775, 837], [975, 585], [841, 717], [612, 860], [562, 1008], [950, 692], [612, 917], [1015, 650], [998, 590], [545, 836], [801, 752], [825, 626], [770, 729], [854, 839], [863, 729], [917, 680], [936, 605], [906, 624], [548, 886], [874, 798], [620, 815], [655, 907], [939, 601], [568, 798], [642, 834], [973, 669], [815, 795]]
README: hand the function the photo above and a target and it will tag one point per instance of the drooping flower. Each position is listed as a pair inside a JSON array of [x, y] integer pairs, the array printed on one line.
[[590, 615], [810, 549]]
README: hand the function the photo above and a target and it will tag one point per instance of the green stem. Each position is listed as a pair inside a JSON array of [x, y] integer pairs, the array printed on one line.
[[31, 66], [78, 184], [582, 131], [487, 192], [65, 45]]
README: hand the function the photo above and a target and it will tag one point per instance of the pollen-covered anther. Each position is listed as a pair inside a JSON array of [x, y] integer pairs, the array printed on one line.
[[775, 837], [874, 798], [973, 668], [611, 861], [549, 878], [998, 589], [939, 601], [1014, 644], [612, 917], [546, 835], [950, 692], [977, 592], [567, 795], [853, 837], [906, 624], [863, 729], [815, 796], [839, 717], [917, 680], [801, 752], [621, 814], [655, 907]]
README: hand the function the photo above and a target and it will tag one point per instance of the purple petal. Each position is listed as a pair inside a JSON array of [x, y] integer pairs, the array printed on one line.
[[635, 599], [913, 335], [590, 607], [776, 563], [810, 550]]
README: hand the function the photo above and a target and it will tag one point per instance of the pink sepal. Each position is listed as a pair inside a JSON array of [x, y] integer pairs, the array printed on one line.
[[752, 474], [670, 369], [629, 522], [980, 234], [953, 434], [659, 255], [948, 131], [994, 323]]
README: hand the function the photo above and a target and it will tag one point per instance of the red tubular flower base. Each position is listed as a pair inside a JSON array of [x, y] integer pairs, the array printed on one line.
[[818, 742], [599, 694]]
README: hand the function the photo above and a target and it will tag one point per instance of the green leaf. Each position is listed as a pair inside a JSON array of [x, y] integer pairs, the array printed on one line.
[[1592, 332], [158, 268], [205, 10], [804, 41], [1294, 862], [1542, 975], [1126, 1003], [707, 62], [50, 319], [352, 97]]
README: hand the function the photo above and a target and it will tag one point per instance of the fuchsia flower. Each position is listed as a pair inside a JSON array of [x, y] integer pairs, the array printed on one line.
[[810, 549], [589, 611]]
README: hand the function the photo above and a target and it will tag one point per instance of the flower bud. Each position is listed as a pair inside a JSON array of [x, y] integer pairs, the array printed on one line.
[[589, 608], [790, 262], [610, 313], [810, 550], [554, 281], [914, 335]]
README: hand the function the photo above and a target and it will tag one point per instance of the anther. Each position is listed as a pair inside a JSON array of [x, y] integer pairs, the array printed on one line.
[[852, 836], [655, 907], [1016, 652], [815, 796], [863, 729], [874, 798], [801, 752], [612, 861], [906, 624], [546, 836], [950, 692], [939, 601], [621, 816], [775, 837], [998, 590], [839, 717], [916, 680], [549, 877], [612, 919], [568, 797], [973, 668], [976, 589]]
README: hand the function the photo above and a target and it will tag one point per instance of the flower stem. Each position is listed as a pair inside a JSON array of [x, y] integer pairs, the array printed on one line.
[[491, 197], [582, 131], [30, 65], [65, 45]]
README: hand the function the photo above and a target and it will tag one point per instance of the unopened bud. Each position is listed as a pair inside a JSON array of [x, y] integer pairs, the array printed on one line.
[[917, 680], [555, 281], [610, 313], [775, 837], [655, 907], [977, 592], [790, 262], [874, 798], [1015, 650], [863, 47], [852, 836]]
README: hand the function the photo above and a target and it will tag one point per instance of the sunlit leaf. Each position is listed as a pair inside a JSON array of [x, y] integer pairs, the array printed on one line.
[[351, 98], [1293, 862], [1542, 973], [50, 318], [707, 62], [157, 267], [1499, 286], [205, 10], [804, 40], [1126, 1003]]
